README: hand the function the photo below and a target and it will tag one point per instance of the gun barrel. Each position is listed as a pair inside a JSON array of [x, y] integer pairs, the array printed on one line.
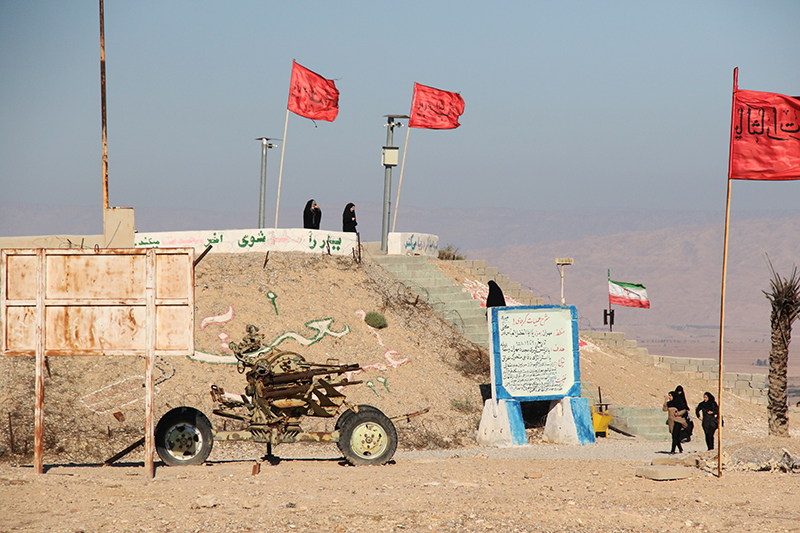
[[288, 377]]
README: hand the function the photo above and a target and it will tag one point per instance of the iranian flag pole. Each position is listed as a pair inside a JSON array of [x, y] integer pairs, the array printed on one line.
[[610, 319], [724, 274]]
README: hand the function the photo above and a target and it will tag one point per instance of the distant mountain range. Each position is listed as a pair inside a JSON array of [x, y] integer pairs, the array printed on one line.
[[682, 269], [677, 255]]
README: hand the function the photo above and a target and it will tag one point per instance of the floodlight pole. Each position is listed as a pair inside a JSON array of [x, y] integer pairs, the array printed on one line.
[[389, 161], [562, 262], [265, 144]]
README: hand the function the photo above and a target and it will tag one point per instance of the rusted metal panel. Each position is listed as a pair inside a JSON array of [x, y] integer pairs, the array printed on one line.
[[175, 276], [19, 324], [20, 282], [95, 330], [95, 277], [173, 333], [95, 301]]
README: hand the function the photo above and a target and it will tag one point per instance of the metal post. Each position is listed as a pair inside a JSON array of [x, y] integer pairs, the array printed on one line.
[[265, 144], [103, 108], [387, 189], [562, 262]]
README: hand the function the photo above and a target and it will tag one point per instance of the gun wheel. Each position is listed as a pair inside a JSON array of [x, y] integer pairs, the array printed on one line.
[[183, 437], [367, 438]]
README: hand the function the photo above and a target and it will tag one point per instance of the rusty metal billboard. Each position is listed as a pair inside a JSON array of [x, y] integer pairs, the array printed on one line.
[[96, 302], [84, 302]]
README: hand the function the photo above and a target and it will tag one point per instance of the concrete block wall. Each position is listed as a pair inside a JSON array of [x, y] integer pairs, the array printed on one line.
[[483, 273], [753, 387]]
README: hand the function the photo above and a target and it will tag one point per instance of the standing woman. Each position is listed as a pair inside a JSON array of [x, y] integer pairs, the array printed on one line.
[[312, 215], [680, 398], [349, 218], [676, 418], [710, 415]]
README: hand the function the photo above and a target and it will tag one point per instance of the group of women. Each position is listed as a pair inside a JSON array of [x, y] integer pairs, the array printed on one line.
[[680, 423], [312, 216]]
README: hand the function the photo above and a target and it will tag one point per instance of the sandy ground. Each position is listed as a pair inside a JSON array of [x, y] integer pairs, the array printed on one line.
[[470, 489], [438, 481]]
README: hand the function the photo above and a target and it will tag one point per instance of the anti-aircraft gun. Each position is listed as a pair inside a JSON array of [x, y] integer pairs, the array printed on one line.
[[282, 389]]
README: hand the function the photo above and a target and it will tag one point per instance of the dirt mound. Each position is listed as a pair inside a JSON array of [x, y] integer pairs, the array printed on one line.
[[313, 305], [310, 304]]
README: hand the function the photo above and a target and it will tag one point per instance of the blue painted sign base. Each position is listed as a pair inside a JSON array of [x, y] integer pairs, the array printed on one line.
[[502, 425], [569, 422], [515, 422]]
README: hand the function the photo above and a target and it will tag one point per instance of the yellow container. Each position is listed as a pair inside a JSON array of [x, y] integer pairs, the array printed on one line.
[[600, 421]]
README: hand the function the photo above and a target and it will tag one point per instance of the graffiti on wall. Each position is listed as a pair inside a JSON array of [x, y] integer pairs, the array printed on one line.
[[322, 327], [413, 244], [218, 319], [116, 395], [237, 241], [479, 291]]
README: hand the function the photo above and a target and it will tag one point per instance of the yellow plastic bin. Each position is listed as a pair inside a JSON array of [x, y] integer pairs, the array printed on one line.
[[600, 419]]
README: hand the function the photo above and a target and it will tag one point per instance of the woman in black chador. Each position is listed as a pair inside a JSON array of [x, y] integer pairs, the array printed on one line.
[[495, 297], [349, 218], [710, 415], [312, 215]]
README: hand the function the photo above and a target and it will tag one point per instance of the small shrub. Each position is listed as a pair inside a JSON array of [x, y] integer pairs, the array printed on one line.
[[450, 253], [462, 405], [375, 320]]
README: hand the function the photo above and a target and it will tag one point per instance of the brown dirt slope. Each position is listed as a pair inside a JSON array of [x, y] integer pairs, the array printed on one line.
[[94, 407]]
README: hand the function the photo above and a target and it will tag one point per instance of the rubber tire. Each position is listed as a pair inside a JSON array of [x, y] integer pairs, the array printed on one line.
[[349, 412], [367, 438], [193, 429]]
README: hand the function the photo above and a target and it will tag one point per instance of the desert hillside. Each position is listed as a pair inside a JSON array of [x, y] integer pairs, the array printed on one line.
[[313, 305], [681, 267]]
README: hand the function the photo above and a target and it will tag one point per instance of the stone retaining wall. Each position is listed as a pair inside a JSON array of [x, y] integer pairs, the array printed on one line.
[[753, 387]]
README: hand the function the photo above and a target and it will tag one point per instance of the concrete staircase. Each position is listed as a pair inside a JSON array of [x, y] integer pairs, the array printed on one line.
[[448, 301], [645, 422]]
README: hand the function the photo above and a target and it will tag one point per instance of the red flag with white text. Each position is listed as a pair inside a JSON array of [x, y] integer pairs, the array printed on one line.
[[765, 136], [435, 109], [311, 95]]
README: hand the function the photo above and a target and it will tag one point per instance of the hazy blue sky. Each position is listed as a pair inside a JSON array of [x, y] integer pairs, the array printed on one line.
[[569, 104]]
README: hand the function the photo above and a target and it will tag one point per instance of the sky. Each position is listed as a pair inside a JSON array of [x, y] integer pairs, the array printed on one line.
[[569, 104]]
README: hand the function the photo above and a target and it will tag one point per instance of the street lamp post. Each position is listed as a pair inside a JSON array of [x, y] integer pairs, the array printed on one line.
[[562, 262], [389, 160], [265, 144]]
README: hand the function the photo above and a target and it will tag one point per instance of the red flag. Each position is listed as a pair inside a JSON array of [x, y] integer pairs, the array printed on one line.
[[765, 135], [435, 109], [311, 95]]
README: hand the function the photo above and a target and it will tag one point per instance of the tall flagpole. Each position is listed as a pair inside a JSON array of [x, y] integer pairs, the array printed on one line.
[[724, 275], [103, 108], [280, 172], [402, 167]]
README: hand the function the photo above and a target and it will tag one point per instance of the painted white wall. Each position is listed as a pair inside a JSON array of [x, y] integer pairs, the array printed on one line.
[[253, 240], [413, 244]]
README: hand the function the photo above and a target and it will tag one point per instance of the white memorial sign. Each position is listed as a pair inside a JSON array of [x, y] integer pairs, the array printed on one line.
[[535, 353]]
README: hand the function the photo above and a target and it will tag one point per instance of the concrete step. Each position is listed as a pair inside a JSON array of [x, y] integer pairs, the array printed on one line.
[[645, 422], [430, 281], [440, 292], [463, 305], [448, 300], [387, 259], [409, 267]]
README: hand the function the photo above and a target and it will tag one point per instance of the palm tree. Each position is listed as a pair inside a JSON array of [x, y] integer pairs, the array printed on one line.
[[784, 296]]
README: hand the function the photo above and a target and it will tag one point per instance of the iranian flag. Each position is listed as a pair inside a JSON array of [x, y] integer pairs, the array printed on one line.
[[627, 294]]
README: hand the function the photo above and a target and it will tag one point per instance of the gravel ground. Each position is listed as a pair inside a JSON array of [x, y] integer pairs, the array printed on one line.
[[439, 480]]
